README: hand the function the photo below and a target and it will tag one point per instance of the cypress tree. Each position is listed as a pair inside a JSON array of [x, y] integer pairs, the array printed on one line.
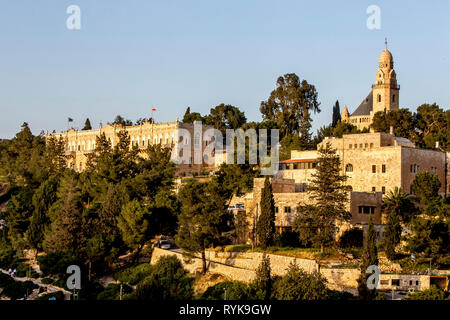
[[265, 227], [263, 276], [370, 257], [336, 114], [392, 235]]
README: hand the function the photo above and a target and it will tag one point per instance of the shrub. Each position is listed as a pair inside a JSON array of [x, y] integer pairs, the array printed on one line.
[[134, 275], [57, 263], [300, 285], [234, 291], [15, 289], [112, 292], [434, 293], [168, 281]]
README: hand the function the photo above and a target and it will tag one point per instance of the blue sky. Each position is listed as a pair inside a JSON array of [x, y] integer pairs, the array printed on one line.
[[135, 55]]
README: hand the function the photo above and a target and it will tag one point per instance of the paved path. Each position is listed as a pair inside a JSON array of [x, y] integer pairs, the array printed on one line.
[[50, 288]]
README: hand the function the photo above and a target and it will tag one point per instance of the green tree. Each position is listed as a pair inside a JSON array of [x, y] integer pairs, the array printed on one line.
[[429, 239], [66, 232], [134, 226], [203, 217], [290, 105], [370, 257], [316, 223], [402, 121], [87, 125], [397, 202], [289, 143], [392, 235], [43, 199], [300, 285], [121, 121], [263, 280], [224, 117], [190, 117], [336, 117], [434, 125], [265, 227], [426, 187]]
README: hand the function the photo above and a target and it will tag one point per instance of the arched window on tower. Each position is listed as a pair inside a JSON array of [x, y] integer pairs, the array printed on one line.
[[379, 98], [393, 98]]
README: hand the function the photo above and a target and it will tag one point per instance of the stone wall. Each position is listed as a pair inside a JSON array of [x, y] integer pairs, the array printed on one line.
[[241, 266], [238, 266]]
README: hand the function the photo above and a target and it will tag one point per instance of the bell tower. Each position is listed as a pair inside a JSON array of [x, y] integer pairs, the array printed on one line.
[[385, 90]]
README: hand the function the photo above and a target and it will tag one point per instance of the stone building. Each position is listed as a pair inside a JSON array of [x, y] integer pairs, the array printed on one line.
[[176, 135], [374, 163], [384, 94]]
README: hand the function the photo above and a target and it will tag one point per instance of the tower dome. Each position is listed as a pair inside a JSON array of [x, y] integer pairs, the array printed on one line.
[[386, 59]]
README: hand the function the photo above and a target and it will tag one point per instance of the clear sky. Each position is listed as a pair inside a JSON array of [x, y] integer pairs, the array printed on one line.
[[134, 55]]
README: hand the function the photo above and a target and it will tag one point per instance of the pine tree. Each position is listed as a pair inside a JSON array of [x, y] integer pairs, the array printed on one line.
[[317, 222], [44, 197], [66, 233], [87, 125], [203, 218], [265, 227], [392, 235]]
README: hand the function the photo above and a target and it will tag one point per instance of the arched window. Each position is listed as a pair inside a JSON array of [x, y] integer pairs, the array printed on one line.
[[348, 167], [393, 98], [379, 98]]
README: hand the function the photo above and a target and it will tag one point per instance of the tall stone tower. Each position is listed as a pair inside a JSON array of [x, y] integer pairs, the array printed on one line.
[[385, 91]]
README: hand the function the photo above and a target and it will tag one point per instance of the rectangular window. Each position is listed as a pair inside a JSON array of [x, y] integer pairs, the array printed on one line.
[[287, 209], [371, 145], [395, 282], [366, 145], [383, 189], [356, 146], [383, 168], [276, 209], [366, 209], [374, 169], [384, 282], [349, 146], [373, 189]]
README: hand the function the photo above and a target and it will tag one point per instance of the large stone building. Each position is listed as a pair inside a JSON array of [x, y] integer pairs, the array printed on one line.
[[176, 135], [374, 163], [384, 94]]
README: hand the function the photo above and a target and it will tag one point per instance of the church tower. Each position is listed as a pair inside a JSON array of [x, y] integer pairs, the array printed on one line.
[[385, 91]]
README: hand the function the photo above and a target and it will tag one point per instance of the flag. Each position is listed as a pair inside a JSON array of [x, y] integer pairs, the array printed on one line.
[[69, 119], [153, 109]]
